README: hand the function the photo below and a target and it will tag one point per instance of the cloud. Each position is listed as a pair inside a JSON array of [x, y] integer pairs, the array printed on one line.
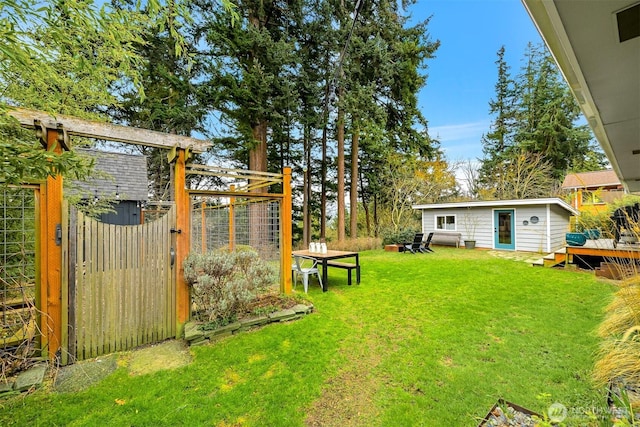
[[461, 141], [460, 132]]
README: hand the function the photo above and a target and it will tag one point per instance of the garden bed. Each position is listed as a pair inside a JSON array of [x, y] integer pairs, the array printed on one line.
[[505, 414], [201, 334]]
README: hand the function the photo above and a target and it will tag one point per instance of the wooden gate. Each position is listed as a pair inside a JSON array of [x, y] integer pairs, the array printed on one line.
[[122, 291]]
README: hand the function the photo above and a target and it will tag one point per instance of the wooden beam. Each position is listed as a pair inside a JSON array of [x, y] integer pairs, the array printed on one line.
[[182, 240], [286, 234], [223, 193], [51, 250], [622, 253], [107, 131]]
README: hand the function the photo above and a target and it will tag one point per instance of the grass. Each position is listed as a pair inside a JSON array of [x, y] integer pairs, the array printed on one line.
[[430, 339]]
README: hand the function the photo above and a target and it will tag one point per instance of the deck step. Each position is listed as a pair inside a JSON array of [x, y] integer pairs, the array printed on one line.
[[555, 258]]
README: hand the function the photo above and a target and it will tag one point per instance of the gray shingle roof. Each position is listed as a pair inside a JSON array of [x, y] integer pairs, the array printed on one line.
[[126, 173]]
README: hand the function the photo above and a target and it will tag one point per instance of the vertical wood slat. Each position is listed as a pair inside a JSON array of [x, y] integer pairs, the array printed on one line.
[[72, 269], [120, 290], [100, 296], [92, 291], [124, 287], [79, 320], [64, 288]]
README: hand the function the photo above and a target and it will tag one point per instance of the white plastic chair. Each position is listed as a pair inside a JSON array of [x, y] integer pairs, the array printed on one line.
[[305, 266]]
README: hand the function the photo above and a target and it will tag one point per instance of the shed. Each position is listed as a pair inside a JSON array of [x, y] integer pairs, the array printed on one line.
[[121, 177], [534, 225]]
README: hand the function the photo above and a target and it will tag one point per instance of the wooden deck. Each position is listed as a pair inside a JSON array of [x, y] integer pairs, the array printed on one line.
[[605, 248], [608, 261]]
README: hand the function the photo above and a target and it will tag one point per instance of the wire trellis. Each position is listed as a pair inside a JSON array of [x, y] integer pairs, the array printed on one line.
[[232, 223], [17, 262]]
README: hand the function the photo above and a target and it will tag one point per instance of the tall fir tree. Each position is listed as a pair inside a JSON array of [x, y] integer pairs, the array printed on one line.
[[535, 114], [500, 139], [548, 115], [248, 64]]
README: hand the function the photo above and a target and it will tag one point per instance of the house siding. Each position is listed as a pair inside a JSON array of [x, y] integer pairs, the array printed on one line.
[[547, 235], [559, 227], [532, 237]]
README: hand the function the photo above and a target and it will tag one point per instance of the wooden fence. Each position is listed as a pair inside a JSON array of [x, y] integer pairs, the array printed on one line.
[[123, 294]]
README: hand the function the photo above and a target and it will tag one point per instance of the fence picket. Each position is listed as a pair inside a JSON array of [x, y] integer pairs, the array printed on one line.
[[124, 290]]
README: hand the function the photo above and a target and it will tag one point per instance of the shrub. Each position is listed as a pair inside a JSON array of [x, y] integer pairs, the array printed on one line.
[[356, 245], [224, 283], [595, 221], [401, 235], [619, 360]]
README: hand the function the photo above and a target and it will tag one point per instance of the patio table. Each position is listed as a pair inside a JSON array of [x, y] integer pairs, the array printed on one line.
[[325, 258]]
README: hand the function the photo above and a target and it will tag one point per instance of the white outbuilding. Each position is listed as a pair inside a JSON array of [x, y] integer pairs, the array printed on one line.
[[534, 225]]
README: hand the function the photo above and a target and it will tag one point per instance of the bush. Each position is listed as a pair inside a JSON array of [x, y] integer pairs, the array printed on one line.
[[402, 235], [356, 245], [619, 361], [595, 221], [224, 283]]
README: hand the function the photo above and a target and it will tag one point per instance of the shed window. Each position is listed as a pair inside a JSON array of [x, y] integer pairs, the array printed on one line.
[[446, 222]]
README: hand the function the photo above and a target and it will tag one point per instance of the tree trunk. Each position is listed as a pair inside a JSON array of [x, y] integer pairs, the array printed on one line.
[[340, 178], [323, 196], [306, 198], [365, 204], [258, 154], [353, 191], [258, 212], [375, 215]]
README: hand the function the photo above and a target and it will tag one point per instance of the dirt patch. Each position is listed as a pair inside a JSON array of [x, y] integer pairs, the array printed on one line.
[[81, 375], [348, 398], [167, 355]]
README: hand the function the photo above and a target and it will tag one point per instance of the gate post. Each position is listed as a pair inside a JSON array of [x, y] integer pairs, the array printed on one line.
[[287, 237], [182, 236], [51, 256]]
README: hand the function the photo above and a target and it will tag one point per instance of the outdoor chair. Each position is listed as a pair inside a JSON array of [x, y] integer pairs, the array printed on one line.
[[425, 247], [305, 267], [415, 245]]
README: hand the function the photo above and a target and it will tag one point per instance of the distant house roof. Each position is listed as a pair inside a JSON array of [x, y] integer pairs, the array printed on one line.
[[123, 173], [596, 179], [501, 203]]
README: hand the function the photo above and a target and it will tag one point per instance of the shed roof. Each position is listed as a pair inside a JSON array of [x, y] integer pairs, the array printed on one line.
[[595, 179], [500, 203], [126, 175]]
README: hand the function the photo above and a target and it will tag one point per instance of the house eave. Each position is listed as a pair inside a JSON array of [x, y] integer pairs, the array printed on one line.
[[498, 204]]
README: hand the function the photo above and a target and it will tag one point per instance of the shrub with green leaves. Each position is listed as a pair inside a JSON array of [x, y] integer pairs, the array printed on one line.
[[223, 282], [401, 235]]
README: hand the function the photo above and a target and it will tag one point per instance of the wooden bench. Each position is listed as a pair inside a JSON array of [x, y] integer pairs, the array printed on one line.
[[446, 238], [347, 266]]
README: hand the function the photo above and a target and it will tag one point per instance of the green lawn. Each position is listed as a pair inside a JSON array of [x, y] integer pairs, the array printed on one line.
[[424, 340]]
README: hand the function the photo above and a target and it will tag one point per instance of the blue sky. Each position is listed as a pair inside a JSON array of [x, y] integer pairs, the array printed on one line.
[[461, 78]]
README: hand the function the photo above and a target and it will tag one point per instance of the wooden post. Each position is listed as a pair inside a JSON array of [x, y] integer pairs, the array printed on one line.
[[182, 201], [51, 258], [287, 236], [203, 225], [232, 225]]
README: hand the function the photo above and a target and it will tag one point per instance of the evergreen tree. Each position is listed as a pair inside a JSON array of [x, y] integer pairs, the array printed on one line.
[[500, 139], [536, 115], [382, 76], [248, 63], [548, 113], [172, 95]]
